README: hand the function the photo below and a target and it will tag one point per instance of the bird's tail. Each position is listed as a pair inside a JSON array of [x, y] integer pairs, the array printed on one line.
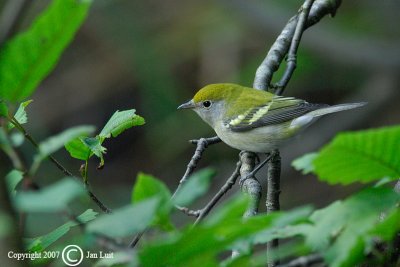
[[336, 108]]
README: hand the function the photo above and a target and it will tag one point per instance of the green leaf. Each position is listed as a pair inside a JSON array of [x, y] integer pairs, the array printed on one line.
[[343, 231], [205, 242], [20, 115], [147, 186], [305, 163], [54, 143], [3, 109], [50, 199], [84, 147], [126, 221], [362, 156], [13, 178], [39, 244], [196, 185], [233, 208], [29, 57], [77, 149], [119, 122], [95, 147]]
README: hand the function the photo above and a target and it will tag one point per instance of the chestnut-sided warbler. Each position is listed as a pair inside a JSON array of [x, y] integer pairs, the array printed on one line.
[[255, 120]]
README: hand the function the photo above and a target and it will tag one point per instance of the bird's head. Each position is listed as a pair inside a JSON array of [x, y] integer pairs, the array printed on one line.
[[211, 101]]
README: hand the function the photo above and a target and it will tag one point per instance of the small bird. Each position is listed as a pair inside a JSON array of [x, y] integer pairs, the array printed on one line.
[[254, 120]]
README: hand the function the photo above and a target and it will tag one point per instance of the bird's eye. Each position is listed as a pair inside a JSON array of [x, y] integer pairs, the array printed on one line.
[[207, 104]]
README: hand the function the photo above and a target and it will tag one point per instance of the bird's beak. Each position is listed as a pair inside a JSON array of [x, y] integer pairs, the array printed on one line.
[[189, 104]]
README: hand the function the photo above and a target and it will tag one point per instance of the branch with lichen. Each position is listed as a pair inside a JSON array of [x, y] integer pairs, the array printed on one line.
[[286, 44], [280, 48]]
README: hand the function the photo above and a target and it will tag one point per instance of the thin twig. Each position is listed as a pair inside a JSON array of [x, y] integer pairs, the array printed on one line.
[[282, 44], [272, 201], [136, 239], [225, 188], [292, 54], [201, 145], [250, 185], [95, 199], [189, 212], [303, 261]]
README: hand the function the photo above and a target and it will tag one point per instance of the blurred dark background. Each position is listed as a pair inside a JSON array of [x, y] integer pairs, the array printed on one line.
[[154, 55]]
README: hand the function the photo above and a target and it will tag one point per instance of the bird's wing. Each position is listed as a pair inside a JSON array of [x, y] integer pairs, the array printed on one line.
[[278, 110]]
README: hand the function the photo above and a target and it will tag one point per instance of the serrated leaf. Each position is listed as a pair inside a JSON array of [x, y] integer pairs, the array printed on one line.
[[20, 115], [305, 163], [29, 57], [13, 178], [196, 185], [119, 122], [147, 186], [56, 142], [77, 149], [39, 244], [205, 242], [362, 156], [95, 147], [50, 199], [126, 221], [343, 231]]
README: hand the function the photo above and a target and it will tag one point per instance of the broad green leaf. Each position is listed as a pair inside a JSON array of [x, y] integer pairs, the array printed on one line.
[[13, 178], [196, 185], [119, 122], [343, 231], [29, 57], [21, 115], [84, 147], [362, 156], [286, 226], [147, 186], [305, 163], [54, 143], [126, 221], [50, 199], [95, 147], [205, 242], [77, 149], [41, 243], [3, 109], [232, 209]]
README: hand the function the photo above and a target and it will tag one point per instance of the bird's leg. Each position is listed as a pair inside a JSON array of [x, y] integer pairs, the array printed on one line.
[[257, 168]]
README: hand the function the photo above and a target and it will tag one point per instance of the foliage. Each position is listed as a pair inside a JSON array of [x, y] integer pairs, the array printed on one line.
[[345, 232], [27, 59], [51, 199], [83, 147], [362, 156], [42, 242]]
